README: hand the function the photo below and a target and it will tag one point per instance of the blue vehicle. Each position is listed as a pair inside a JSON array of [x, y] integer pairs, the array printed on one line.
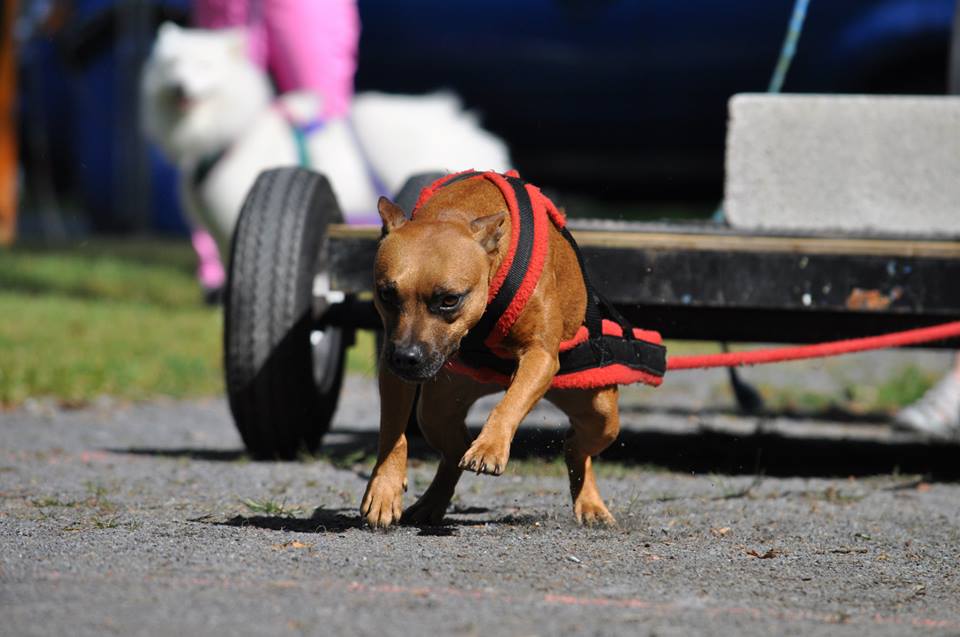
[[618, 99], [628, 98]]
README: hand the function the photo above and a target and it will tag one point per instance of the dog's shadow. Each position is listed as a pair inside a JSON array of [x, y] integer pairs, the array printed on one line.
[[340, 520], [320, 521], [702, 451]]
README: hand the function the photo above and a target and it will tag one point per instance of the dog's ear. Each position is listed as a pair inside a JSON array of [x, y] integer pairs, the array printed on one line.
[[391, 214], [168, 30], [488, 230]]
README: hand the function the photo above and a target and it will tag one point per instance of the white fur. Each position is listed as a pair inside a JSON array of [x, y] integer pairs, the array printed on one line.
[[231, 106]]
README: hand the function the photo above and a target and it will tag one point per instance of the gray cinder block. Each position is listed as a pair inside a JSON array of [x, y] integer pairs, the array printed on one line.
[[852, 163]]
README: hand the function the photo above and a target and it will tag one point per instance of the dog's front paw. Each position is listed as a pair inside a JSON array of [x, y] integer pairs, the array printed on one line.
[[382, 504], [486, 456]]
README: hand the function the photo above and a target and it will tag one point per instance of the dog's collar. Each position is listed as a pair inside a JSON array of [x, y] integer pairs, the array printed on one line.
[[607, 349]]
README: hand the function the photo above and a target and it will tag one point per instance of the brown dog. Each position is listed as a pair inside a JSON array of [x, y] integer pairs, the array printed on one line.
[[432, 276]]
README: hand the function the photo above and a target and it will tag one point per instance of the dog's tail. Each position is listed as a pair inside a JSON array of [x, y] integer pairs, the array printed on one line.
[[407, 134]]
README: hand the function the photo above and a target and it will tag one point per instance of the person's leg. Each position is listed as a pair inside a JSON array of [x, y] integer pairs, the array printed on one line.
[[312, 45], [228, 14], [210, 270], [937, 413], [223, 14]]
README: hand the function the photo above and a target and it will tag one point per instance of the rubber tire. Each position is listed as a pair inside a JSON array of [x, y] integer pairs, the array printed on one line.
[[275, 255], [407, 196]]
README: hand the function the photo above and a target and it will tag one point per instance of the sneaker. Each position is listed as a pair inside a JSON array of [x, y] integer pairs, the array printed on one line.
[[937, 413], [210, 270], [213, 296]]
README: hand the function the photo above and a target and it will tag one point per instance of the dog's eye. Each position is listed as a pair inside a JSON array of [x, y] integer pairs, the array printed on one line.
[[449, 302], [387, 295]]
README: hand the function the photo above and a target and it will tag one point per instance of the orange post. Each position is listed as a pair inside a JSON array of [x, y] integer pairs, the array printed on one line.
[[8, 128]]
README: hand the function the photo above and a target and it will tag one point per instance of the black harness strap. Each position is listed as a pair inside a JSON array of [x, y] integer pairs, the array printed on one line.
[[593, 318], [635, 354], [476, 337], [600, 350]]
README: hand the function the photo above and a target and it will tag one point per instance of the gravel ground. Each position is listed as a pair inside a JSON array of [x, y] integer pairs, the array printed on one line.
[[148, 519]]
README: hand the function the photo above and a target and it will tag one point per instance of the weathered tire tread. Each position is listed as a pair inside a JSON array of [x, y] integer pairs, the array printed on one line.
[[267, 356]]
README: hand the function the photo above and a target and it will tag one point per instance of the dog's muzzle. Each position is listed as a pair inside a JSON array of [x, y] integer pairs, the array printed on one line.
[[415, 362]]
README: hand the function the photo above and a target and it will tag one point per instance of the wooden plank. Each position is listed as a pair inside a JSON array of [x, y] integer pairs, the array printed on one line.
[[727, 324], [731, 287], [706, 242], [713, 278]]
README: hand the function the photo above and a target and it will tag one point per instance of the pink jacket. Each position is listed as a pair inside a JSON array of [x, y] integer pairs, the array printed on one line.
[[303, 44]]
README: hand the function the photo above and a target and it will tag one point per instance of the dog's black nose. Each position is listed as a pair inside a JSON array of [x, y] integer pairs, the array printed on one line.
[[178, 92], [408, 357]]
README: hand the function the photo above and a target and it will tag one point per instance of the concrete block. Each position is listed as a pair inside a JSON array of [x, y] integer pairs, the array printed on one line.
[[845, 163]]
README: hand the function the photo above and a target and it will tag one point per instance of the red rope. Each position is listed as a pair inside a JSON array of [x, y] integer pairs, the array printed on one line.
[[819, 350]]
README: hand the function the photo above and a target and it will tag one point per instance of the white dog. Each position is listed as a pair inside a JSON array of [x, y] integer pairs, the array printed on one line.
[[213, 113]]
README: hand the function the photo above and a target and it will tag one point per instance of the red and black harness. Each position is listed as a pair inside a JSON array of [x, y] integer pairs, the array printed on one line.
[[607, 350]]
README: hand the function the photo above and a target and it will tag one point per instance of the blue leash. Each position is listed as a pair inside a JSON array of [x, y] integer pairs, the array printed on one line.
[[300, 134], [787, 50]]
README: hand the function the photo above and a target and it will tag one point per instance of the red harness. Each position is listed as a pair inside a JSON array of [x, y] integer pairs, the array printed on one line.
[[606, 350]]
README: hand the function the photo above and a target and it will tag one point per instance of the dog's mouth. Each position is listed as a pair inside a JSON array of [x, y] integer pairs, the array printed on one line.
[[421, 372], [178, 98], [182, 103], [414, 377]]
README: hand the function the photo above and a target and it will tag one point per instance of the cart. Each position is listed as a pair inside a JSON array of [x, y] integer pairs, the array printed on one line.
[[300, 286]]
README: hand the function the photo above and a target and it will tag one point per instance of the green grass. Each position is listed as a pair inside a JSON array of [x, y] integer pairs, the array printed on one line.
[[122, 318], [158, 273], [905, 386], [271, 508], [362, 357], [106, 318]]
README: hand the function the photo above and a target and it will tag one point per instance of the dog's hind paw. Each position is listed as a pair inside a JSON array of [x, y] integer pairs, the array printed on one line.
[[593, 514], [426, 510]]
